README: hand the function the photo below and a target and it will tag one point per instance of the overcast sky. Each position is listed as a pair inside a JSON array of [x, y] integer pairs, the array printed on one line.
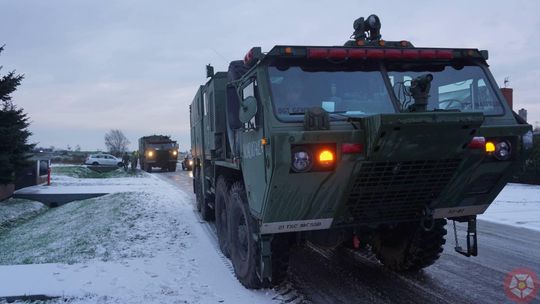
[[92, 66]]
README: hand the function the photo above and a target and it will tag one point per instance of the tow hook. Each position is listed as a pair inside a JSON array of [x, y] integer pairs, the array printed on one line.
[[472, 242]]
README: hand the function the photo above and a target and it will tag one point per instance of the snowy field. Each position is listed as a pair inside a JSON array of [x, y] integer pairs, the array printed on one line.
[[142, 244]]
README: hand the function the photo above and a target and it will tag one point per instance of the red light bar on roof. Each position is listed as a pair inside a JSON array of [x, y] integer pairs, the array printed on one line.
[[317, 53], [376, 53], [337, 53]]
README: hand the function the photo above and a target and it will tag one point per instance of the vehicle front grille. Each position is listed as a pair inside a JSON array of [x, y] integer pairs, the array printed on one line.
[[162, 155], [397, 191]]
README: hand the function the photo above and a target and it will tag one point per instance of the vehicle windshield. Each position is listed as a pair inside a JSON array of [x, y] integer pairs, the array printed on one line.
[[463, 88], [162, 146], [350, 93]]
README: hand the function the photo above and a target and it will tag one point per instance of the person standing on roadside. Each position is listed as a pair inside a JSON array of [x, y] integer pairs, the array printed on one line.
[[125, 160], [134, 160]]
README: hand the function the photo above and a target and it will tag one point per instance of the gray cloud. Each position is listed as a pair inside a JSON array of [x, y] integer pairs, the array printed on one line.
[[135, 65]]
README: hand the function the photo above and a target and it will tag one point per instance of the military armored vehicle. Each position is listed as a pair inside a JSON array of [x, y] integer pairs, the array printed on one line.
[[372, 144], [158, 151]]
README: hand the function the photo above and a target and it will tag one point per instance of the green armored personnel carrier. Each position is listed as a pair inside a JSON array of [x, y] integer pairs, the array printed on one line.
[[158, 151], [373, 143]]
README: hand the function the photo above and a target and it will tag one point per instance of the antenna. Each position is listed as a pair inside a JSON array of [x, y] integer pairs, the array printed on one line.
[[506, 81]]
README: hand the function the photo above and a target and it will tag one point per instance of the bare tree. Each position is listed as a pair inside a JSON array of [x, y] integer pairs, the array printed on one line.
[[116, 142]]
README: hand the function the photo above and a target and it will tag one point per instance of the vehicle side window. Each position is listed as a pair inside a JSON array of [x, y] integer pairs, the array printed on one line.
[[205, 98], [250, 90], [210, 103]]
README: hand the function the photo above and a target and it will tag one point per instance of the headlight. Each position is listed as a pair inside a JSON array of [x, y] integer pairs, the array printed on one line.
[[302, 161], [191, 163], [503, 150], [174, 152], [150, 153]]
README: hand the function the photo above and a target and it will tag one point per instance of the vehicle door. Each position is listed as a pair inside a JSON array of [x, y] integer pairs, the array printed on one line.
[[252, 149], [110, 160]]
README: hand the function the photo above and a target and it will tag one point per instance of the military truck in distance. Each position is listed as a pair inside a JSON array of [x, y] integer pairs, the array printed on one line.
[[158, 151], [372, 144]]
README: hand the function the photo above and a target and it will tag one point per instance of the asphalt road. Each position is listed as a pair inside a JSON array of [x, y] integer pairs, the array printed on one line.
[[346, 277]]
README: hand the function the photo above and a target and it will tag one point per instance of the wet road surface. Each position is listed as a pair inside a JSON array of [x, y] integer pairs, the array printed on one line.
[[348, 277]]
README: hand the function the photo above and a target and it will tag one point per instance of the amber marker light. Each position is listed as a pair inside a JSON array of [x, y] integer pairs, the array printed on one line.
[[490, 147], [326, 158]]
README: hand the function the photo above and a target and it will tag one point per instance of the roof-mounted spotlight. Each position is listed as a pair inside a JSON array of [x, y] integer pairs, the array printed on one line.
[[368, 29]]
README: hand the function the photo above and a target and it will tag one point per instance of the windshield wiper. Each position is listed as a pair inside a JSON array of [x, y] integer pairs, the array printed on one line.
[[350, 119]]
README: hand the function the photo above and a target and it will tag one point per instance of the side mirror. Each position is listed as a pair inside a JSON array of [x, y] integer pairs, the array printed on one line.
[[248, 109]]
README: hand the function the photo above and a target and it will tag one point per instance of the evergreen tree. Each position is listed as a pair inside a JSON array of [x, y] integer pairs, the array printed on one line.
[[14, 149]]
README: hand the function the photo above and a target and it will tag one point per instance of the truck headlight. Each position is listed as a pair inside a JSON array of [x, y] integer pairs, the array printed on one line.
[[191, 163], [150, 153], [503, 150], [302, 161], [174, 152]]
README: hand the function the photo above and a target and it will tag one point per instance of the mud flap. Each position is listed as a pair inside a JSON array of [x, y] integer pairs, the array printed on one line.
[[265, 270]]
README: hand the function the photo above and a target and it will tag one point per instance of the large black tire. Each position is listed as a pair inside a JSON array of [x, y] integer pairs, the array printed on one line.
[[243, 236], [172, 168], [220, 210], [207, 213], [197, 189], [410, 248]]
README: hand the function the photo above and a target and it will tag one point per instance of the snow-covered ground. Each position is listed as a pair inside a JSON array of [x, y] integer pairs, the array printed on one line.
[[16, 210], [142, 244], [517, 205]]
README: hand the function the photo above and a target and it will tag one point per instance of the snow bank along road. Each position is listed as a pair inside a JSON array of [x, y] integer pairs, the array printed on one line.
[[142, 244], [328, 277]]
